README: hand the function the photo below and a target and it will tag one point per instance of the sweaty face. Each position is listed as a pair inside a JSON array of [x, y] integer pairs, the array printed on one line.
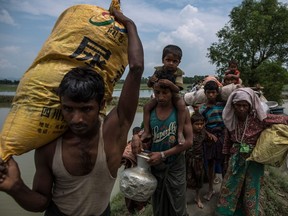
[[211, 95], [242, 109], [198, 126], [171, 62], [162, 95], [82, 117]]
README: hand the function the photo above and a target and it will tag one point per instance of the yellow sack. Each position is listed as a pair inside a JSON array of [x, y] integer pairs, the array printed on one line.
[[83, 35], [272, 146]]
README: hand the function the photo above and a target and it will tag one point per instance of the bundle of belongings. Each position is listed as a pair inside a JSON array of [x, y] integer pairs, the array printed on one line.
[[84, 35]]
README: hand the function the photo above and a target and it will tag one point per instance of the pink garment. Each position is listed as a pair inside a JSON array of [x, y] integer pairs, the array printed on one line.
[[213, 78]]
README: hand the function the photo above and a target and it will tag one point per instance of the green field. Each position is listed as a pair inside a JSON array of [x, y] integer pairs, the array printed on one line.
[[8, 88]]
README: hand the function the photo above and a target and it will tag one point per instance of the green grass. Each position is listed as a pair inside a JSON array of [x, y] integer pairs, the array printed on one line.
[[118, 207], [274, 195], [274, 192], [8, 88]]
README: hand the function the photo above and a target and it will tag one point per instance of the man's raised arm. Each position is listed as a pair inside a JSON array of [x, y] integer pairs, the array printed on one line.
[[128, 100]]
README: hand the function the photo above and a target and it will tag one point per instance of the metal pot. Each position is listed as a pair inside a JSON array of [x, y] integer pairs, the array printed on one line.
[[138, 183]]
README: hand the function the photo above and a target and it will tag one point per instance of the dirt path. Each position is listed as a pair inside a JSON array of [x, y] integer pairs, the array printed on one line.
[[209, 206]]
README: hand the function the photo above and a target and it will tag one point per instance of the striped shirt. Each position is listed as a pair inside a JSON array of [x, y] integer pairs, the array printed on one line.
[[213, 116]]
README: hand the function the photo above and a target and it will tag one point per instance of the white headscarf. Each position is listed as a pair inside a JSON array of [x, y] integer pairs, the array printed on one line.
[[240, 94]]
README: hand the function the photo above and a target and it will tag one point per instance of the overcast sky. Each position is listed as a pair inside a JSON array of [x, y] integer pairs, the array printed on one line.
[[190, 24]]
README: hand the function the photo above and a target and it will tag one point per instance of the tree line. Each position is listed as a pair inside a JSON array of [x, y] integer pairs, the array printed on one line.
[[186, 80], [256, 36], [9, 82]]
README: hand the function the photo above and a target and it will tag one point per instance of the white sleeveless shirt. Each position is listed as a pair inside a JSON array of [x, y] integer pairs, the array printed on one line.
[[82, 195]]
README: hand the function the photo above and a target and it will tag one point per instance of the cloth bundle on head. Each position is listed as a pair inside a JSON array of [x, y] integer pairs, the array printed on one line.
[[213, 78], [242, 94]]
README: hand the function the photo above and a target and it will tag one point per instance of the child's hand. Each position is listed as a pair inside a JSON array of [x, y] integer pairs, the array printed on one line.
[[212, 137], [169, 84], [136, 144], [153, 79]]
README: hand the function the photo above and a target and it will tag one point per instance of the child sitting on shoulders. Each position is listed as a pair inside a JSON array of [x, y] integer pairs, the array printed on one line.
[[232, 75], [171, 58]]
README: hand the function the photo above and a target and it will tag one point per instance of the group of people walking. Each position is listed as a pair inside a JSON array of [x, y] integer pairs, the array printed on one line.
[[219, 139]]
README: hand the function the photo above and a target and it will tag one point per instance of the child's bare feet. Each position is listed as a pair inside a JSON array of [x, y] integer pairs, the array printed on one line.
[[199, 203], [145, 137], [181, 139], [209, 195]]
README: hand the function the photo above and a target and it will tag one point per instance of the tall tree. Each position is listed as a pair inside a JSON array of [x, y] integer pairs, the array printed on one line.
[[257, 33]]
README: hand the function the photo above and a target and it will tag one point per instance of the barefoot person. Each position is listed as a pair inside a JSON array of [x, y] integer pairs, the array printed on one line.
[[75, 174], [195, 157], [214, 125], [245, 119]]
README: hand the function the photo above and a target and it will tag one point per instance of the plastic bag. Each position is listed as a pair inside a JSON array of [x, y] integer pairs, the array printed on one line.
[[272, 146]]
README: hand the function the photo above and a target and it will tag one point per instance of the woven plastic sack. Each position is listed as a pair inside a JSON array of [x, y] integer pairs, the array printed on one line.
[[195, 97], [83, 35], [272, 146], [225, 91]]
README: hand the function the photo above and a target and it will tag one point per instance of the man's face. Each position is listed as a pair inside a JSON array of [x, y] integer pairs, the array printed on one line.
[[82, 117], [162, 95], [171, 62]]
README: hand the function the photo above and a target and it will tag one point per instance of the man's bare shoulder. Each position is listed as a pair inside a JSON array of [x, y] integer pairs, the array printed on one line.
[[46, 152]]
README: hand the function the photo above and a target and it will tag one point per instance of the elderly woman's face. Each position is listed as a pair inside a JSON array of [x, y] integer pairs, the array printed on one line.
[[242, 109]]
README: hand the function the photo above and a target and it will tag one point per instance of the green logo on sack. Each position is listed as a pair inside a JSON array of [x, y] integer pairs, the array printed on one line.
[[110, 20]]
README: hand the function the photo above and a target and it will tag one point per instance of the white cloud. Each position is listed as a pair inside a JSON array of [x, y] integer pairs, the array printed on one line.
[[191, 24], [9, 50], [6, 64], [50, 7], [6, 18], [192, 30]]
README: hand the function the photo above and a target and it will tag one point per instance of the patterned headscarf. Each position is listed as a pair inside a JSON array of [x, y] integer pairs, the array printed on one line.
[[240, 94]]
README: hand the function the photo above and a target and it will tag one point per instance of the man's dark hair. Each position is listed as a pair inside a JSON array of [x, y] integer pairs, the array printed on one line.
[[211, 85], [173, 49], [197, 117], [82, 84]]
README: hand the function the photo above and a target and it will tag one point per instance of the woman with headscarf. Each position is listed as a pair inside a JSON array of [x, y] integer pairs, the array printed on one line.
[[245, 119]]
